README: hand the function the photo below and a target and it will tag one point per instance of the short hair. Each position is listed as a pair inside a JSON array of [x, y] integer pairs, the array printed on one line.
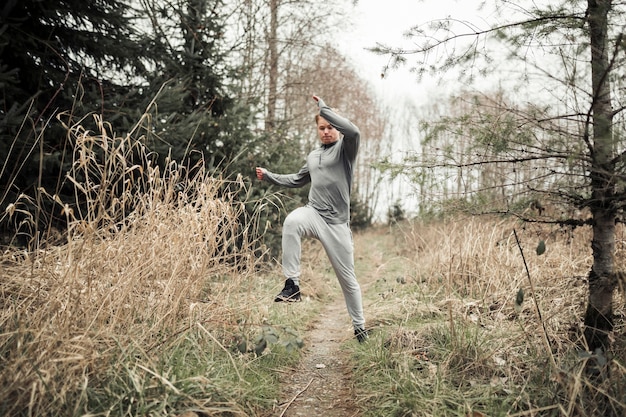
[[318, 115]]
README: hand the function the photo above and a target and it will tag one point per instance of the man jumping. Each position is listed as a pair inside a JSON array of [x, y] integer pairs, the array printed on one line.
[[326, 216]]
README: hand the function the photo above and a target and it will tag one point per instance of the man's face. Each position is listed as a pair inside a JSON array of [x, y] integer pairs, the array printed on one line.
[[327, 133]]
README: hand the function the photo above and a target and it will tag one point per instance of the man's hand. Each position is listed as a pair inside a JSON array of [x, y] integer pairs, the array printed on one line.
[[260, 173]]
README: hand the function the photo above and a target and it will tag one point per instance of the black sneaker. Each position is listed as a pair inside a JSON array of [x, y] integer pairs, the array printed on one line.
[[291, 292], [361, 335]]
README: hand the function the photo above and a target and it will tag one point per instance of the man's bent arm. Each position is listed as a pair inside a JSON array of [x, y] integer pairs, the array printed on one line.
[[297, 180]]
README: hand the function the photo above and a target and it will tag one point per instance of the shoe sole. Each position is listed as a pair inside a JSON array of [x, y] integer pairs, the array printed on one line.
[[280, 299]]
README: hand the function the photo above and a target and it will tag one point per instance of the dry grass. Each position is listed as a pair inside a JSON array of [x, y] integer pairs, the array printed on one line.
[[453, 341], [154, 271], [141, 308]]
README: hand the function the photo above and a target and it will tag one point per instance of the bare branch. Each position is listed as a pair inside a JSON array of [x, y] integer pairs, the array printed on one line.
[[382, 49]]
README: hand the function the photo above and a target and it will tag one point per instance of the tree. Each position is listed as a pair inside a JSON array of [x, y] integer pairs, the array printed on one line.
[[281, 51], [194, 114], [71, 57], [272, 38], [579, 61], [156, 71]]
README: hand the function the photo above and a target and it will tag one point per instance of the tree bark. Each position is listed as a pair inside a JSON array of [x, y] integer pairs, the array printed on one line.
[[602, 282], [270, 121]]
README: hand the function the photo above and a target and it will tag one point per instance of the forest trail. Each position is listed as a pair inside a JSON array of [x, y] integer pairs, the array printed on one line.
[[322, 385]]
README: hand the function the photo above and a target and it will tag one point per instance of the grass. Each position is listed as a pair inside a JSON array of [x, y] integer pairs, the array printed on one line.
[[156, 302], [141, 307], [449, 340]]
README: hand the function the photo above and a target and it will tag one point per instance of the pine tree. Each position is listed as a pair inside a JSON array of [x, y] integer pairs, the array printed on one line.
[[76, 58], [70, 56], [574, 135], [195, 116]]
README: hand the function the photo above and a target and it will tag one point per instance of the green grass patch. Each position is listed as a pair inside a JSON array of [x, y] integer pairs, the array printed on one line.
[[192, 373]]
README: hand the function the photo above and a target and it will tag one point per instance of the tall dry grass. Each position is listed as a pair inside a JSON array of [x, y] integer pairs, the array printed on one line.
[[152, 259], [459, 343]]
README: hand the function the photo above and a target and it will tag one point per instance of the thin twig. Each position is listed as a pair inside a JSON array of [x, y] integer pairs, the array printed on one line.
[[294, 397], [532, 289], [449, 297]]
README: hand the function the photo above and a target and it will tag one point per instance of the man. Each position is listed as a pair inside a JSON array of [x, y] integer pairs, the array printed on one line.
[[326, 216]]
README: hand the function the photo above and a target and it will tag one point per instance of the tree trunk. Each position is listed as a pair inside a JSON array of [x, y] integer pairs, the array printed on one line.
[[270, 121], [602, 281]]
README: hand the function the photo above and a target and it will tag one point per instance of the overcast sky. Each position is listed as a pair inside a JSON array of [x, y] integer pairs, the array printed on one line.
[[386, 21], [378, 21]]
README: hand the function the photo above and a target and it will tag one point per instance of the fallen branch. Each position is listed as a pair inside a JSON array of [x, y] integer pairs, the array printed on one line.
[[294, 397]]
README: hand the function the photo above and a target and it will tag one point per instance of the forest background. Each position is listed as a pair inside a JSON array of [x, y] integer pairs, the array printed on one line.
[[102, 98]]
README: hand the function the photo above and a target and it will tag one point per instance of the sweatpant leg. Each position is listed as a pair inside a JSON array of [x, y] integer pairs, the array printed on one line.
[[300, 223], [337, 241]]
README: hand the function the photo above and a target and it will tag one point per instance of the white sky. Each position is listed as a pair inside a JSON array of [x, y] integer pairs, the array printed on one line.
[[386, 21]]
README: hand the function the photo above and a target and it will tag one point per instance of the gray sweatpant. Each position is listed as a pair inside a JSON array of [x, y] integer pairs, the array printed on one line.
[[337, 242]]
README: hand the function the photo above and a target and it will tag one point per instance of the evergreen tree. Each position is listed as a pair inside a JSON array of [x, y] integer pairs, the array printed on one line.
[[195, 115], [70, 56], [572, 135], [75, 58]]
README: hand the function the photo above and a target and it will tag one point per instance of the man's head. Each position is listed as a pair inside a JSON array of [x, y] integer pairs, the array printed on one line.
[[326, 132]]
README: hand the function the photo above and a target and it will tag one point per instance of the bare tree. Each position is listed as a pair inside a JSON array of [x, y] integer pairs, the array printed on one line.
[[272, 90], [569, 150], [270, 38]]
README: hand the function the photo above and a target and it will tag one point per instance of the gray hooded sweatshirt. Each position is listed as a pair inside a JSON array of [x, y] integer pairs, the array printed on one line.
[[329, 169]]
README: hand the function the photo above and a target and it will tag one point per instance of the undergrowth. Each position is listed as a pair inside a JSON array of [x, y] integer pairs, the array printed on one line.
[[142, 305], [154, 302], [458, 331]]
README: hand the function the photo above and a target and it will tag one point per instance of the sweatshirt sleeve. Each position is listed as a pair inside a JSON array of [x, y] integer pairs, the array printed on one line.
[[351, 133], [297, 180]]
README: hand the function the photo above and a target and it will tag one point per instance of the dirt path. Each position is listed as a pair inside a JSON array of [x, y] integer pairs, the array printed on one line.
[[322, 385]]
